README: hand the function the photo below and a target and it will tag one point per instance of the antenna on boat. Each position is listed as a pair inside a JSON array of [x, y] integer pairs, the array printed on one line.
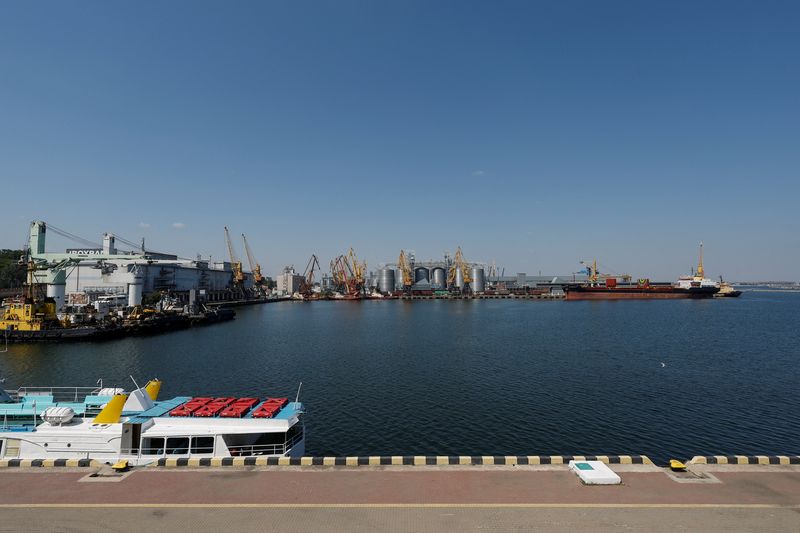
[[134, 382], [297, 398]]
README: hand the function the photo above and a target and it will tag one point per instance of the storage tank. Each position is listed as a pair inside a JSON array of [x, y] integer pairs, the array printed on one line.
[[386, 280], [459, 278], [421, 274], [135, 288], [58, 292], [478, 279], [438, 278]]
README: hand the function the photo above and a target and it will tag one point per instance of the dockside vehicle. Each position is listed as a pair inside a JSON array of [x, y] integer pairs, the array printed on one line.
[[111, 425]]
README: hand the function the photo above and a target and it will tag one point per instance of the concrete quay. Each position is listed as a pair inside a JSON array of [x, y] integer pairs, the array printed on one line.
[[509, 497]]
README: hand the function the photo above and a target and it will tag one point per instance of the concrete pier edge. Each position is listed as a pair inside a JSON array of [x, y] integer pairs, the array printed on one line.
[[400, 460], [407, 460], [745, 460]]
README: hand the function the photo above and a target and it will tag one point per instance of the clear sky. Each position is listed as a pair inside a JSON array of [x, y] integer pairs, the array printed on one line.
[[532, 133]]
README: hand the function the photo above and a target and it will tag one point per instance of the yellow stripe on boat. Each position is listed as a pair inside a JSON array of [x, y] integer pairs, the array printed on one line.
[[153, 387], [112, 411]]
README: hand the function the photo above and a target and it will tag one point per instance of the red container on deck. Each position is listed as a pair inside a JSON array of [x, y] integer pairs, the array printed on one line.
[[249, 402], [237, 410], [222, 401], [611, 282], [278, 401], [266, 410], [189, 407]]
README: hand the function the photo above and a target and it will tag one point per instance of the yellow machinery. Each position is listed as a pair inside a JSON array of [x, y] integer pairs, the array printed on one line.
[[236, 265], [255, 267], [459, 265], [594, 275], [141, 313], [700, 272], [405, 270], [27, 315], [349, 273]]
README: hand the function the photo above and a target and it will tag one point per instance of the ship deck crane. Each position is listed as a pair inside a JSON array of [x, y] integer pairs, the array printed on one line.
[[594, 275]]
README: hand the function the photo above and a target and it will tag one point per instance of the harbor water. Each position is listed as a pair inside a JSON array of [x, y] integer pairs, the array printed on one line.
[[486, 377]]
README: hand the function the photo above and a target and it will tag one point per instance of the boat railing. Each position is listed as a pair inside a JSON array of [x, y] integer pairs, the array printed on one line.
[[265, 449], [59, 394], [235, 451]]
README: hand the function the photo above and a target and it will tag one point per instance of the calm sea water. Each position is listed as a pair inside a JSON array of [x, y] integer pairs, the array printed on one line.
[[484, 377]]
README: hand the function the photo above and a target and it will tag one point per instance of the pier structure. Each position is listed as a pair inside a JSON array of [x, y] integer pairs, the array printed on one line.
[[725, 493]]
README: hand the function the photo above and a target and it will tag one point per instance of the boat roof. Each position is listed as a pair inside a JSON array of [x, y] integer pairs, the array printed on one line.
[[23, 412]]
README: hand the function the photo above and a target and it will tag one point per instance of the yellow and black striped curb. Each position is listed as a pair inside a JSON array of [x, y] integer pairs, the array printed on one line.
[[403, 460], [745, 460], [35, 463]]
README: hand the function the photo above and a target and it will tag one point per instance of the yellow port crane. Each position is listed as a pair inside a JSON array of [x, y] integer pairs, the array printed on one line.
[[359, 269], [348, 273], [255, 267], [236, 265], [458, 264], [405, 270]]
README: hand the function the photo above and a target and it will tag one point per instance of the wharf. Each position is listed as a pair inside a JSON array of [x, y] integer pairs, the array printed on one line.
[[715, 497]]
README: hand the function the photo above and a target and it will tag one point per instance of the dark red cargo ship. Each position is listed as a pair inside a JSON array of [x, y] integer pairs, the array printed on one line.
[[642, 290]]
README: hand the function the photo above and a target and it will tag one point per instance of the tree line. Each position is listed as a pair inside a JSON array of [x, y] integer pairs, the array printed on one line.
[[12, 274]]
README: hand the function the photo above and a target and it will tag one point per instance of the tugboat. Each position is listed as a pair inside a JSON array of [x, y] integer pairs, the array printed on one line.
[[726, 290], [111, 425]]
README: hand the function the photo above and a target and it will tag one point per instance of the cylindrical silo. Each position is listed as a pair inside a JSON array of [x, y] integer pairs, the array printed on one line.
[[459, 278], [478, 279], [421, 274], [386, 281], [438, 278]]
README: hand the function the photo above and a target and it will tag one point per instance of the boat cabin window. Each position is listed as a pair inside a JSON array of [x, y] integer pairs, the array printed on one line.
[[177, 445], [203, 445], [153, 446]]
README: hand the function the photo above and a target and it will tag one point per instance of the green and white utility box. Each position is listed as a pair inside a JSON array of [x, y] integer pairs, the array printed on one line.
[[594, 473]]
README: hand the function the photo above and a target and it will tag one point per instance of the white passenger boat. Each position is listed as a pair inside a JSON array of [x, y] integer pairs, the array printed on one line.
[[111, 425]]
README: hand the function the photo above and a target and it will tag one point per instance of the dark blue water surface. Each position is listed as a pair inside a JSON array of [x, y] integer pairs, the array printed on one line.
[[489, 377]]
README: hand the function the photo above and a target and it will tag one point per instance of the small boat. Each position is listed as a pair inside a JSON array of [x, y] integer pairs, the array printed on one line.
[[111, 425], [726, 290]]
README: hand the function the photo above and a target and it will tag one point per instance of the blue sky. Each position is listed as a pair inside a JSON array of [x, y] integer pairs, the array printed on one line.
[[535, 134]]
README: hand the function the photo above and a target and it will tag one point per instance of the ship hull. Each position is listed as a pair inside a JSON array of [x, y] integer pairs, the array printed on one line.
[[637, 293]]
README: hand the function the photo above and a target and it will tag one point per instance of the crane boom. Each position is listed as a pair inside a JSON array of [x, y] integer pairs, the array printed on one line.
[[405, 269], [236, 265], [255, 267]]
